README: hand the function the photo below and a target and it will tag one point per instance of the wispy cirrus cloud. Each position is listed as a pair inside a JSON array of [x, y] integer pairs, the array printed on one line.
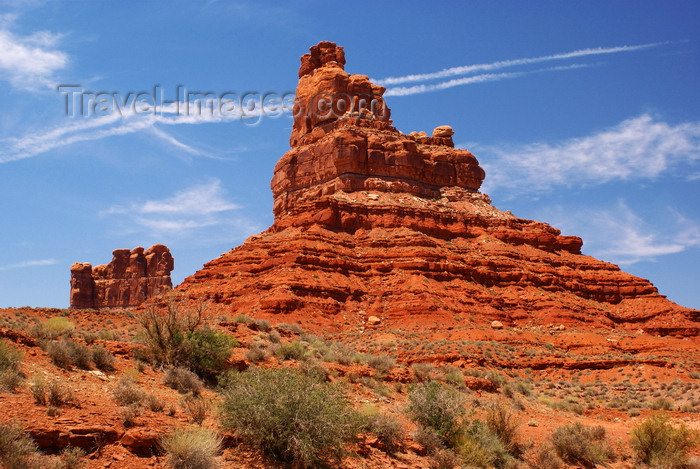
[[482, 78], [91, 128], [29, 62], [33, 263], [200, 206], [489, 67], [637, 148], [620, 235]]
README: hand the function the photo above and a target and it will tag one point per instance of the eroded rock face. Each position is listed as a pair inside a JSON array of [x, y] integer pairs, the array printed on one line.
[[129, 279], [370, 222]]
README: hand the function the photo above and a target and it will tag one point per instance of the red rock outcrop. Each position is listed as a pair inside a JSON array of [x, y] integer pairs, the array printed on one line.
[[372, 222], [129, 279]]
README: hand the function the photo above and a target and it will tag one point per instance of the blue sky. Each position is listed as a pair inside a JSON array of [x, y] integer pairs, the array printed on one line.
[[585, 115]]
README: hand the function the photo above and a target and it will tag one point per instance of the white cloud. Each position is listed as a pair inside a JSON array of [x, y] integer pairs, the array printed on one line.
[[21, 265], [618, 234], [638, 148], [466, 69], [84, 129], [196, 207], [29, 62], [417, 89]]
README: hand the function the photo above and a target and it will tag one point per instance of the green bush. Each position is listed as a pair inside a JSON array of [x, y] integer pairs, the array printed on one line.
[[194, 448], [206, 350], [658, 443], [17, 449], [54, 328], [438, 407], [291, 351], [178, 338], [579, 444], [478, 446], [290, 415]]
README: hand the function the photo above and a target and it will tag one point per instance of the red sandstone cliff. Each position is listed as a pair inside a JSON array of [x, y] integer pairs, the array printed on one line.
[[129, 279], [372, 222]]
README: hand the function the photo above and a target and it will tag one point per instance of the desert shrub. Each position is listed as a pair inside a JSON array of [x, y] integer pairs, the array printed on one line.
[[381, 363], [80, 355], [262, 325], [177, 338], [388, 431], [54, 328], [444, 459], [154, 403], [478, 446], [52, 392], [10, 378], [72, 458], [59, 352], [194, 448], [659, 444], [291, 351], [182, 380], [196, 407], [243, 319], [438, 407], [428, 439], [422, 371], [10, 357], [206, 350], [256, 354], [661, 404], [546, 458], [579, 444], [290, 415], [291, 327], [128, 414], [501, 422], [17, 449], [102, 358], [127, 392]]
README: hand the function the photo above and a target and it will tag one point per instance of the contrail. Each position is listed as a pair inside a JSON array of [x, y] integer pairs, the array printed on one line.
[[465, 69]]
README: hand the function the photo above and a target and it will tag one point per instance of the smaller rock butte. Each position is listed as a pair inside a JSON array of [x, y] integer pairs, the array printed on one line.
[[129, 279]]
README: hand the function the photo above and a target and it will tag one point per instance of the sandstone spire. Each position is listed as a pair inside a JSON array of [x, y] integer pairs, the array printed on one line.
[[370, 222]]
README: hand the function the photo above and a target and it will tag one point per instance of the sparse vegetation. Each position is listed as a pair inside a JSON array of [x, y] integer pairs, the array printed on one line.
[[661, 445], [290, 415], [182, 380], [10, 378], [17, 449], [178, 337], [127, 392], [437, 407], [191, 448], [579, 444]]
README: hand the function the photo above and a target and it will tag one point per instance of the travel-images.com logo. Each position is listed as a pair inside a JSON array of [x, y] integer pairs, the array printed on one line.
[[249, 107]]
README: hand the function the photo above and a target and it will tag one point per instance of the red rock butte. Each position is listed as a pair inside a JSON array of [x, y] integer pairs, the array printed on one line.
[[371, 222], [131, 278]]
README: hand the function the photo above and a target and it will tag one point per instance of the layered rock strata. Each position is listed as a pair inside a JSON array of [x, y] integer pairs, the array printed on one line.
[[132, 277], [372, 222]]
